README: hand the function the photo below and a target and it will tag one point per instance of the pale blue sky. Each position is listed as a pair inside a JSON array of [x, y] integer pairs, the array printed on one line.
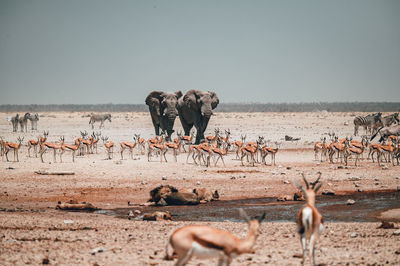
[[81, 51]]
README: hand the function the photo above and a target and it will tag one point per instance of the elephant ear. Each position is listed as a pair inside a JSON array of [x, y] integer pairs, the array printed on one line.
[[178, 94], [154, 95], [214, 100], [190, 99]]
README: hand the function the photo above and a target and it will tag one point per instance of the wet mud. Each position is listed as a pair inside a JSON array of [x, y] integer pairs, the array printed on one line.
[[367, 208]]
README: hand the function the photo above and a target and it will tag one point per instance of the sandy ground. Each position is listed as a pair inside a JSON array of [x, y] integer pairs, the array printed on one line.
[[32, 230]]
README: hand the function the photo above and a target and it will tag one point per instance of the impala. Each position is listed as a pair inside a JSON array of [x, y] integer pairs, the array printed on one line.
[[207, 242]]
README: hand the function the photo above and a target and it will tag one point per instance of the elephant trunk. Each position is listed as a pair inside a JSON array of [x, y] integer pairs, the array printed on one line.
[[169, 124]]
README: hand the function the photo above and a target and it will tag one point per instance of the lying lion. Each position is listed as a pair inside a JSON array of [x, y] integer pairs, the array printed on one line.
[[172, 196]]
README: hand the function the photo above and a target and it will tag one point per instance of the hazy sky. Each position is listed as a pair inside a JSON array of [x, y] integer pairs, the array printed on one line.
[[98, 51]]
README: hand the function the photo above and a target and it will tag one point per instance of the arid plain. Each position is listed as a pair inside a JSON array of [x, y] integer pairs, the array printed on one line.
[[34, 232]]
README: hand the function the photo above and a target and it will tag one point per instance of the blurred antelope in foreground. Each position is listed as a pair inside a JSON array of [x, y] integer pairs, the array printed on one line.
[[309, 220], [13, 146], [206, 242]]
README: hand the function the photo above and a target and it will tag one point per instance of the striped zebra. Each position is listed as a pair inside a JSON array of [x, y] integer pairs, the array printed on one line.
[[99, 117], [368, 122], [390, 119], [34, 120], [23, 122], [15, 120]]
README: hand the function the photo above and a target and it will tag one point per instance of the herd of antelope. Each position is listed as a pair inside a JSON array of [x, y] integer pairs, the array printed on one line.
[[214, 148], [346, 148]]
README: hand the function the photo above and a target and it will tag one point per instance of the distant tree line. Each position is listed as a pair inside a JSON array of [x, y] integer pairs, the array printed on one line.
[[223, 107]]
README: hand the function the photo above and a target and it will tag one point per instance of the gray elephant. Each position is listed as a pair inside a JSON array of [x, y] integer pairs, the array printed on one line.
[[162, 107], [195, 109]]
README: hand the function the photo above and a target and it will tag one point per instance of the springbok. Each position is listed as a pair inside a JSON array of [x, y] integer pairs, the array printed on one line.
[[273, 151], [14, 146], [127, 145], [34, 143], [212, 139], [251, 150], [109, 145], [175, 146], [72, 148], [349, 151], [206, 242], [48, 145], [309, 220], [141, 142], [161, 148], [239, 144], [187, 140], [219, 153]]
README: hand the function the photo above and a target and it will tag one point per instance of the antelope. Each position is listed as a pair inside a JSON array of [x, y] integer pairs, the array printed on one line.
[[374, 148], [226, 138], [336, 147], [175, 146], [239, 144], [15, 146], [220, 153], [309, 220], [318, 147], [35, 143], [268, 150], [72, 148], [193, 149], [109, 145], [161, 148], [127, 145], [254, 144], [389, 149], [187, 140], [214, 138], [359, 145], [205, 152], [141, 142], [96, 138], [86, 142], [48, 145], [157, 140], [352, 151], [250, 150], [207, 242]]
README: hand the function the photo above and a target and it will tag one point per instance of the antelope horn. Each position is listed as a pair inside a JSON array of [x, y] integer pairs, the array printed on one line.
[[305, 181]]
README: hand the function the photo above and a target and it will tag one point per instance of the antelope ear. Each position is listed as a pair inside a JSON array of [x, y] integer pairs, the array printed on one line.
[[153, 95], [190, 99]]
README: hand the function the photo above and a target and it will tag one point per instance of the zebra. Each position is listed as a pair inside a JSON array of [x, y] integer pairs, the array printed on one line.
[[390, 119], [23, 122], [34, 120], [102, 117], [15, 120], [368, 122], [386, 132]]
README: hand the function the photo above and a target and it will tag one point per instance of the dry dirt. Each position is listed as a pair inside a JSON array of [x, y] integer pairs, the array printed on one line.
[[33, 232]]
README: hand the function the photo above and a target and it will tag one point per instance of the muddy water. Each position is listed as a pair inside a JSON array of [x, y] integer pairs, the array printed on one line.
[[367, 208]]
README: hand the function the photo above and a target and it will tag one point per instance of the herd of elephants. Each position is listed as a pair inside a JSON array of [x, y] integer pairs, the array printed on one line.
[[194, 109]]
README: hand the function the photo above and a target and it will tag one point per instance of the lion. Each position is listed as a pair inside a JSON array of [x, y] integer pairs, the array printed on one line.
[[172, 196], [206, 195]]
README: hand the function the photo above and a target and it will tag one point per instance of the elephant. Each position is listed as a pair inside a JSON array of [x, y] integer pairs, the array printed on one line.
[[163, 110], [195, 109]]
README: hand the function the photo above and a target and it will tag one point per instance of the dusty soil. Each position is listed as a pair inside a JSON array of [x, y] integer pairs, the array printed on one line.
[[32, 231]]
